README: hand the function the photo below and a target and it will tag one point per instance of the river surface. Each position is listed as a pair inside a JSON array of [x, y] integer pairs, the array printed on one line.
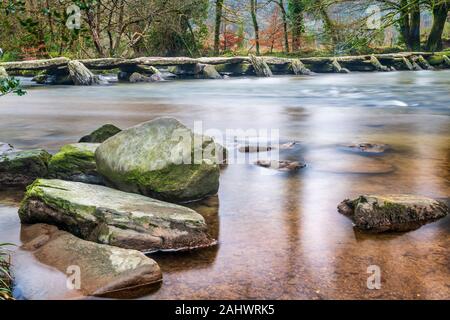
[[280, 235]]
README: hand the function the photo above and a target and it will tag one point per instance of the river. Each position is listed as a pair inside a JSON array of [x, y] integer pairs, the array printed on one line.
[[280, 235]]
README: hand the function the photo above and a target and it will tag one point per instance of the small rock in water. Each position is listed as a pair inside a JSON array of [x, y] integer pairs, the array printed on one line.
[[101, 134], [254, 148], [105, 271], [367, 148], [113, 217], [288, 145], [398, 212], [20, 168], [76, 162], [282, 165]]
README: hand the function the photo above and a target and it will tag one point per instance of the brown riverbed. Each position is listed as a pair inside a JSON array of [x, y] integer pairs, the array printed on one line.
[[280, 236]]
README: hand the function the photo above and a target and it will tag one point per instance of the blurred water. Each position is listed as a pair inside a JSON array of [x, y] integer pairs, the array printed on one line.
[[280, 235]]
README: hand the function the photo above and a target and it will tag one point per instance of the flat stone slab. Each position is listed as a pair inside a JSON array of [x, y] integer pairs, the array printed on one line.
[[20, 168], [104, 270], [113, 217], [398, 212]]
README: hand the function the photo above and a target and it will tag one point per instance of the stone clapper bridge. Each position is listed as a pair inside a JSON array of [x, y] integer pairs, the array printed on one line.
[[78, 72]]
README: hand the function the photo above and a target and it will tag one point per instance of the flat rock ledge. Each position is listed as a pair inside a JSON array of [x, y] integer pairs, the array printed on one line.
[[396, 213], [108, 216], [105, 271]]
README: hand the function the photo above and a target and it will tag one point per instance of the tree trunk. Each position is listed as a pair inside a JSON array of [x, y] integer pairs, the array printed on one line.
[[330, 29], [285, 25], [253, 4], [440, 13], [415, 27], [219, 9], [404, 23], [296, 16]]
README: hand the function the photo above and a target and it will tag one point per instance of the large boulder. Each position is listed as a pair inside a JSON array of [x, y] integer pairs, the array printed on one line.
[[163, 159], [81, 76], [113, 217], [104, 270], [75, 162], [20, 168], [380, 213], [101, 134]]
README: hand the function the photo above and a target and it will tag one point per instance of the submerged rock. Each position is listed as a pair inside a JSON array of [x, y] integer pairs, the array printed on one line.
[[75, 162], [380, 213], [254, 148], [367, 148], [282, 165], [20, 168], [163, 159], [105, 271], [113, 217], [101, 134], [81, 76]]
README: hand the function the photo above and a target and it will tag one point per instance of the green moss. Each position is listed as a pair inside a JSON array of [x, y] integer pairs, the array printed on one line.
[[101, 134], [73, 159], [48, 194], [29, 162], [436, 59]]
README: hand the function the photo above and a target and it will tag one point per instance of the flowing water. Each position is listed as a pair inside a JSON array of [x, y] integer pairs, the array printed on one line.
[[280, 235]]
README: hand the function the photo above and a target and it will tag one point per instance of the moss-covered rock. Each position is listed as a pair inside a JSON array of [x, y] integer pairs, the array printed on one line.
[[113, 217], [20, 168], [101, 134], [436, 59], [105, 271], [162, 159], [380, 213], [75, 162]]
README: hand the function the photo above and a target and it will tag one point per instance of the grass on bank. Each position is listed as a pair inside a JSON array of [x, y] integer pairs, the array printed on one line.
[[5, 275]]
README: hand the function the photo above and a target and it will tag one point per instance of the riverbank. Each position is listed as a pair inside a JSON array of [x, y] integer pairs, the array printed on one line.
[[151, 69]]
